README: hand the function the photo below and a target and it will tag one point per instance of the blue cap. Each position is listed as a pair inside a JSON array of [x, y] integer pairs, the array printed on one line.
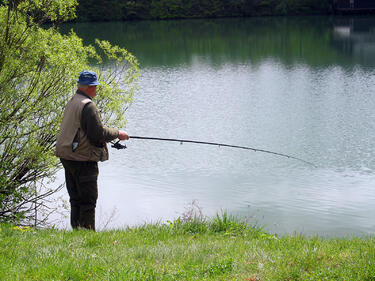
[[88, 78]]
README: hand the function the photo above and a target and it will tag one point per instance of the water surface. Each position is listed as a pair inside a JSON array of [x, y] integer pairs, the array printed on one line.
[[299, 86]]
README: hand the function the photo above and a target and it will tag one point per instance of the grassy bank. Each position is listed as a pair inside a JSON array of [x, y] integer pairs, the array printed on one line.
[[221, 249]]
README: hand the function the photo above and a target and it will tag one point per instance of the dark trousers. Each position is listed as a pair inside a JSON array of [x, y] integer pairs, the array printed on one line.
[[82, 184]]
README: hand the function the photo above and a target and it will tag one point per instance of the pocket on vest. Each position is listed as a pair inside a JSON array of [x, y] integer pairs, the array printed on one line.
[[96, 154], [76, 140]]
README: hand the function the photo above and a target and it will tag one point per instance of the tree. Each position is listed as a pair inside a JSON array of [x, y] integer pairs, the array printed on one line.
[[38, 68]]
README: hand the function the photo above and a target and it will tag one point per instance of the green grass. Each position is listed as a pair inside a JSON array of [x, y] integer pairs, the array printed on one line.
[[219, 249]]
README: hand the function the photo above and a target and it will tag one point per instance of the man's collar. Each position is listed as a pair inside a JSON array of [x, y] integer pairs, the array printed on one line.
[[83, 94]]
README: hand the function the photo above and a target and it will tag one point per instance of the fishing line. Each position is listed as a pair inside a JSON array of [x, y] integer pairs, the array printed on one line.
[[118, 145]]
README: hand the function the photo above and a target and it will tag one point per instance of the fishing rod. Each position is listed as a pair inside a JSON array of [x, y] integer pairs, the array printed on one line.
[[118, 145]]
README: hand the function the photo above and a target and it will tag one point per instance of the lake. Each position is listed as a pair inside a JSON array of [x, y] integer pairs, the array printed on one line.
[[298, 86]]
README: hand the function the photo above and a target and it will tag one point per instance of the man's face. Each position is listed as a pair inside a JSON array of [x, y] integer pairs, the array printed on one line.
[[92, 91]]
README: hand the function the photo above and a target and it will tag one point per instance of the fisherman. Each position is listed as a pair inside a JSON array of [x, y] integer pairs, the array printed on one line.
[[80, 144]]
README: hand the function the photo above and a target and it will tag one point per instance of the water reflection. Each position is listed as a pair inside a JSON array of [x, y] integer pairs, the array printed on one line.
[[172, 43], [316, 41], [356, 38]]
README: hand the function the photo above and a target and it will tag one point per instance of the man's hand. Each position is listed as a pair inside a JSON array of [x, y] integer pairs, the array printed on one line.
[[122, 135]]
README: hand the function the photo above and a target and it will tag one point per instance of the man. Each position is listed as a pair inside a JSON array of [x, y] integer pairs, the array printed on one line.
[[80, 144]]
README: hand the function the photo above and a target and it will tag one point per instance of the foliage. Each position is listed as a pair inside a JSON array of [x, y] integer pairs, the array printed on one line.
[[111, 10], [222, 223], [38, 68], [118, 83], [159, 252]]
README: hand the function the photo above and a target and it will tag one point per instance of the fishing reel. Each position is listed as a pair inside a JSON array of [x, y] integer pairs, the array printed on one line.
[[118, 145]]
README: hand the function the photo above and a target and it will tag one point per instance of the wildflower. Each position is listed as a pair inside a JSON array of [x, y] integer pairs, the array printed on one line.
[[24, 229]]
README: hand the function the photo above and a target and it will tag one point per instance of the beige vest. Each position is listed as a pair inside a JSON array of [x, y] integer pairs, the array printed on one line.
[[70, 127]]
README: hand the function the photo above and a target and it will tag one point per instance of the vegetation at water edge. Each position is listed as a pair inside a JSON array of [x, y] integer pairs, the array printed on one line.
[[219, 249], [114, 10], [38, 71]]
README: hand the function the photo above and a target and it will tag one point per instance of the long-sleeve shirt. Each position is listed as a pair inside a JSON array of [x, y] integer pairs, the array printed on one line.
[[92, 125]]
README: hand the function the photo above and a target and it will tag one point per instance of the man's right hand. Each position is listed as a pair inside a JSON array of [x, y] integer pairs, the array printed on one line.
[[122, 135]]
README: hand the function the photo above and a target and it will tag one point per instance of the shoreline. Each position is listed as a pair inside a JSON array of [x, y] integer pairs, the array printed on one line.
[[176, 9], [220, 249]]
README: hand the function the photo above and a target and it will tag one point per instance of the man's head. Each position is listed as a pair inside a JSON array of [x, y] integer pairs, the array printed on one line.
[[87, 82]]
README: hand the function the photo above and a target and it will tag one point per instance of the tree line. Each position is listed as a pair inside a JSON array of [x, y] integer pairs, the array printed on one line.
[[115, 10]]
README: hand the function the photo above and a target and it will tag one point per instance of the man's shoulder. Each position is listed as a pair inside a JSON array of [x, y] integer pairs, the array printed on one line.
[[90, 109], [82, 98]]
